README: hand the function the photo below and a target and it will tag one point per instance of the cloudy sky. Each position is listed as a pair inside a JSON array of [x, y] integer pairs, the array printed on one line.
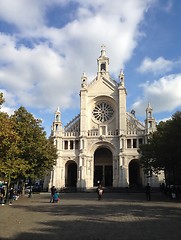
[[45, 46]]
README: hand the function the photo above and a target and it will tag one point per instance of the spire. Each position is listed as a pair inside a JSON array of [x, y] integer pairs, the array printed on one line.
[[103, 62], [58, 109], [84, 80], [58, 115], [103, 51], [149, 111], [150, 122], [121, 77], [149, 106]]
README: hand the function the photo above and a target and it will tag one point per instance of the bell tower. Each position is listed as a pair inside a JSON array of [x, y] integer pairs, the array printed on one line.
[[57, 124], [103, 62], [150, 123]]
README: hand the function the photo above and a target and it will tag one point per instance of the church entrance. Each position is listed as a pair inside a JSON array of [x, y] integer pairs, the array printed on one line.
[[103, 170], [134, 174], [71, 174]]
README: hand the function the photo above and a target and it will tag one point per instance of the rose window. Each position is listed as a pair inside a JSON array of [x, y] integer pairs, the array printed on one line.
[[103, 112]]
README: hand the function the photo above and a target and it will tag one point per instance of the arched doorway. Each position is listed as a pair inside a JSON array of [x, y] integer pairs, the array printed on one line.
[[71, 174], [103, 170], [134, 174]]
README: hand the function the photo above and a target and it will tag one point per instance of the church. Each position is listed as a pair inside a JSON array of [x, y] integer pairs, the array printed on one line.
[[100, 145]]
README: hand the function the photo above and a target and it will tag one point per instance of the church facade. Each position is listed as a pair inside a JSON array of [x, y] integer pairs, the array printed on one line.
[[101, 143]]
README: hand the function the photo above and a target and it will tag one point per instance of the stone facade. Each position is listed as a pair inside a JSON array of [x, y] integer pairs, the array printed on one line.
[[101, 143]]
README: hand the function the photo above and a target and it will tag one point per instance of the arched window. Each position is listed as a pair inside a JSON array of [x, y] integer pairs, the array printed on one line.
[[103, 67]]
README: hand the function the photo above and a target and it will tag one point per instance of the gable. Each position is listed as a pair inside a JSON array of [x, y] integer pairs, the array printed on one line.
[[103, 85]]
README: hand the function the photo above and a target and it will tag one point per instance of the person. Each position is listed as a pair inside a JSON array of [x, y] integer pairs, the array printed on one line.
[[148, 192], [2, 194], [173, 192], [11, 196], [30, 192], [100, 192], [53, 190], [55, 197]]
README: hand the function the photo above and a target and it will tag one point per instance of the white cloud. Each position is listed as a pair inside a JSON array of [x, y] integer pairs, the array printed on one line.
[[26, 14], [48, 73], [21, 13], [7, 110], [9, 104], [163, 94], [160, 65], [35, 76]]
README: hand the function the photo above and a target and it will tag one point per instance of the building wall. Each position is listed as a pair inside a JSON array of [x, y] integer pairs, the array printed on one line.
[[104, 126]]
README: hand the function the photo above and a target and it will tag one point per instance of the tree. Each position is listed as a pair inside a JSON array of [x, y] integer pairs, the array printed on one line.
[[25, 152], [10, 163], [1, 99], [163, 152], [38, 152]]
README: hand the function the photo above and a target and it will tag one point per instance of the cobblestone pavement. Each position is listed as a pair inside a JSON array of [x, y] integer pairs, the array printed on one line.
[[80, 216]]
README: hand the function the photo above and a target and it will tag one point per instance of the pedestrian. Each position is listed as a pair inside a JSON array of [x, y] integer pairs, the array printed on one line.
[[148, 192], [30, 192], [100, 192], [53, 190], [2, 194], [173, 192], [11, 196], [55, 197]]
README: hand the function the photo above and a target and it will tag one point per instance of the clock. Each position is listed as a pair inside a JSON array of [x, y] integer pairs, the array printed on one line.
[[103, 112]]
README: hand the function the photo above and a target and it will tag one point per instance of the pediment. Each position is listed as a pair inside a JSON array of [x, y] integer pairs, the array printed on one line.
[[110, 83], [103, 83]]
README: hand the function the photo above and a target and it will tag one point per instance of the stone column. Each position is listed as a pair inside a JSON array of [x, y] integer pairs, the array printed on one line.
[[115, 172], [123, 172]]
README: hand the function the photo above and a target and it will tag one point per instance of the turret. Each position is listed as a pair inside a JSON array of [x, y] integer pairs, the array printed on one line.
[[150, 123], [57, 124], [121, 78], [103, 62], [84, 80], [122, 104]]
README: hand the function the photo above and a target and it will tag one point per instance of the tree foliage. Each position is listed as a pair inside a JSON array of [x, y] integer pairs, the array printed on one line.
[[38, 152], [163, 151], [11, 165], [25, 152], [1, 99]]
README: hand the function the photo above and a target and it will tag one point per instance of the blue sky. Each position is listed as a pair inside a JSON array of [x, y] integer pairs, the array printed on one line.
[[45, 46]]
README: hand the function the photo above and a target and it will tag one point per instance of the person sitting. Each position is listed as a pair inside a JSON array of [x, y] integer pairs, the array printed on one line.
[[55, 197]]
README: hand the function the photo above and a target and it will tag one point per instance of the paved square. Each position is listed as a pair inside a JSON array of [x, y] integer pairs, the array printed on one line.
[[80, 216]]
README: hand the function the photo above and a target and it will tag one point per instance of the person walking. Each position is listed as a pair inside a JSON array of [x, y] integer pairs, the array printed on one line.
[[148, 192], [30, 192], [11, 196], [100, 192]]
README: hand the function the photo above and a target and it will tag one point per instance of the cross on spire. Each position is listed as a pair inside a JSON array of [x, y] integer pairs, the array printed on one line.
[[103, 50]]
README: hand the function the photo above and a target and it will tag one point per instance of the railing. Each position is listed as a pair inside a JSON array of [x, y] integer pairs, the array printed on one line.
[[94, 133], [70, 134], [136, 132]]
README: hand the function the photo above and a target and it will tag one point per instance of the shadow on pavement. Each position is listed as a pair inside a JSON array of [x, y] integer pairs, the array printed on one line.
[[82, 217]]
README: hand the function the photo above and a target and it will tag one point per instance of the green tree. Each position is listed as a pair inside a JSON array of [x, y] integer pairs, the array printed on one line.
[[38, 152], [163, 152], [10, 163], [1, 99]]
